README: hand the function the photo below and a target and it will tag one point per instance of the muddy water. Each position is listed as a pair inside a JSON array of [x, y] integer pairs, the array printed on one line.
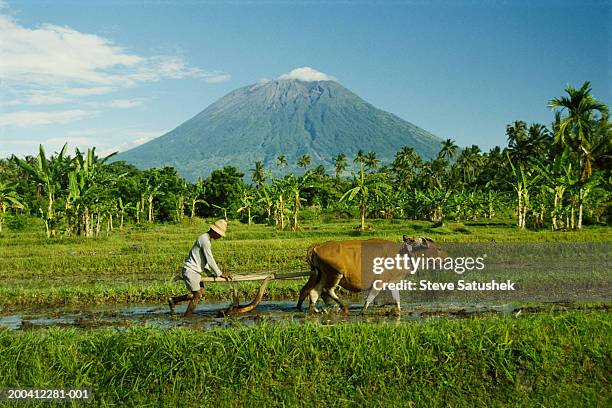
[[206, 315]]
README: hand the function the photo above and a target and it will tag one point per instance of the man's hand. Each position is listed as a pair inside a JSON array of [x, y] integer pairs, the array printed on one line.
[[226, 276]]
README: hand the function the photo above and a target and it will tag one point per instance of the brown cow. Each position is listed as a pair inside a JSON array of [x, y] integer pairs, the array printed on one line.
[[349, 264]]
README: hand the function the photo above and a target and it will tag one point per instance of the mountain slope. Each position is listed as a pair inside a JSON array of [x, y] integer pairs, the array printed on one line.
[[286, 116]]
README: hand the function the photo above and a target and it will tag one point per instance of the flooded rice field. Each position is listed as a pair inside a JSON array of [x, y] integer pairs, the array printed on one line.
[[210, 315]]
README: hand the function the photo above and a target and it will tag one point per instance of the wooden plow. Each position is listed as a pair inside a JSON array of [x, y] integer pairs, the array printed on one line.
[[235, 307]]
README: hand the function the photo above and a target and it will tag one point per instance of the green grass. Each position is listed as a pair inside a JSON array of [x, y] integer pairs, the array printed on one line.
[[138, 264], [537, 360]]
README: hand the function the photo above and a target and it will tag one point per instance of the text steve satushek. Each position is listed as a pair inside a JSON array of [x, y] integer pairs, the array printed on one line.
[[461, 285]]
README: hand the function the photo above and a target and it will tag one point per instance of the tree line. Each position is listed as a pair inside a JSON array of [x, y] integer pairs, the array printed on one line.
[[555, 176]]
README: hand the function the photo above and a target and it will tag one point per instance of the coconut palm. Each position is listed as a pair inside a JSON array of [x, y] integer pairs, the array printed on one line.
[[341, 164], [281, 160], [448, 150], [404, 166], [371, 161], [259, 174], [304, 161], [518, 144], [576, 130]]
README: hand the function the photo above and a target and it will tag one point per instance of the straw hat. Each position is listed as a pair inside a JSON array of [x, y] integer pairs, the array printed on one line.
[[220, 226]]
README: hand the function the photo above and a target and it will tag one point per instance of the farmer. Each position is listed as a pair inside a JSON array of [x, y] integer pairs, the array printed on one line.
[[200, 258]]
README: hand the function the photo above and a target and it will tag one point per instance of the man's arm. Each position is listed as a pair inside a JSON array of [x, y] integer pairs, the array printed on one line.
[[210, 260]]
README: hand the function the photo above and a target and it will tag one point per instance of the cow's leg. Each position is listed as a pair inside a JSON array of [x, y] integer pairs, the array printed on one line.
[[332, 293], [310, 284], [370, 298], [396, 296], [314, 296]]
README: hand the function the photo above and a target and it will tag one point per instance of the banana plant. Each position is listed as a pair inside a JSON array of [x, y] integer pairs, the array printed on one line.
[[522, 183], [264, 198], [48, 175], [366, 187], [8, 199], [246, 201], [295, 185], [195, 196]]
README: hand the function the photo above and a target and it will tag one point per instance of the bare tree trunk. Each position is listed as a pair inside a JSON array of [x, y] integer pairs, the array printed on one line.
[[520, 207], [296, 208], [97, 224], [362, 209], [282, 212], [580, 206], [150, 199], [85, 229]]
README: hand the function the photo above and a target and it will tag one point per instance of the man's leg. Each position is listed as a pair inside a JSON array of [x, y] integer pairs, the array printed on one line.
[[195, 296], [175, 300], [193, 282]]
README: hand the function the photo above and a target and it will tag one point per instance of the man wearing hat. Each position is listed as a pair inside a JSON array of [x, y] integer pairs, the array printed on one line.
[[200, 258]]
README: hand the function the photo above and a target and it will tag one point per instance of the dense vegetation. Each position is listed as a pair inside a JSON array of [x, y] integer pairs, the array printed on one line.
[[555, 177], [533, 360]]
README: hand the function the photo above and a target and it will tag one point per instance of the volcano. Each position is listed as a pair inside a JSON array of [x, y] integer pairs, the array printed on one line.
[[290, 116]]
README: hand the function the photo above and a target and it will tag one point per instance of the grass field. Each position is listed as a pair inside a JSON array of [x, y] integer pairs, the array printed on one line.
[[537, 360], [138, 264]]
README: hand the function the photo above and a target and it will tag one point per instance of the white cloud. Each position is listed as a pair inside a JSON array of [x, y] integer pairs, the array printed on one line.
[[307, 74], [32, 118], [97, 90], [138, 138], [125, 103], [61, 62]]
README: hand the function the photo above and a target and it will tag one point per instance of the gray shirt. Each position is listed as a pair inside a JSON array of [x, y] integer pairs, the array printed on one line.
[[200, 257]]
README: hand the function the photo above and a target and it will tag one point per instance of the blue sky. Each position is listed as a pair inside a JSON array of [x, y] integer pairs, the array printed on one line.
[[115, 74]]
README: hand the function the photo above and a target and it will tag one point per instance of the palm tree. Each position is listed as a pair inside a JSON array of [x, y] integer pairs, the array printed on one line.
[[371, 161], [281, 160], [359, 156], [341, 164], [539, 140], [518, 143], [576, 130], [448, 150], [304, 161], [403, 166], [470, 161], [259, 174]]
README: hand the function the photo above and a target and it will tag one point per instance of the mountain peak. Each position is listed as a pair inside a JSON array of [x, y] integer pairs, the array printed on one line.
[[306, 74]]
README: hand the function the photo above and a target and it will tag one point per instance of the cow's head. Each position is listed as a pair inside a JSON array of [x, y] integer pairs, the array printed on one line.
[[422, 244]]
